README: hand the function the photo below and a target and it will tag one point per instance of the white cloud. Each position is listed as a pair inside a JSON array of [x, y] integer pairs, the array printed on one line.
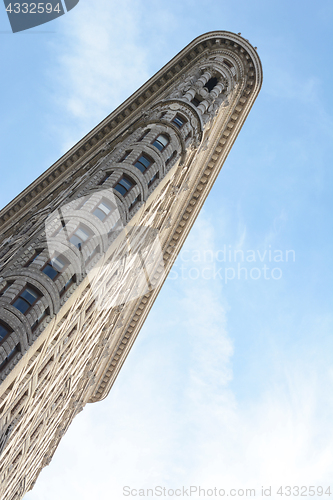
[[172, 418], [98, 63]]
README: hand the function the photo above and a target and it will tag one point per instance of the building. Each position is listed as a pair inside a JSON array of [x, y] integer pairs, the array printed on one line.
[[85, 249]]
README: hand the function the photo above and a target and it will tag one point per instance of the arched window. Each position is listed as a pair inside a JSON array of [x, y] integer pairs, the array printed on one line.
[[124, 185], [80, 236], [27, 298], [179, 121], [211, 84], [102, 210], [54, 267], [143, 163], [4, 331], [161, 142]]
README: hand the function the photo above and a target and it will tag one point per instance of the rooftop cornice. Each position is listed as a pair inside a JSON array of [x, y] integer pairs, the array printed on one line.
[[128, 111]]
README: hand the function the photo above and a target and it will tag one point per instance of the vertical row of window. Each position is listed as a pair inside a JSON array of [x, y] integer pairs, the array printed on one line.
[[29, 296], [143, 163]]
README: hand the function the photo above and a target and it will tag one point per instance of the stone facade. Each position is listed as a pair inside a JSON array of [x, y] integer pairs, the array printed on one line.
[[112, 214]]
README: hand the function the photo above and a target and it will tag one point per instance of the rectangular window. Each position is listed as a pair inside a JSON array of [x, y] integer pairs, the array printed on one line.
[[40, 319], [10, 356], [26, 299], [92, 254], [4, 331], [79, 237], [171, 157], [124, 185], [143, 163], [161, 142], [54, 267], [179, 121], [196, 100], [5, 288], [102, 210], [116, 227]]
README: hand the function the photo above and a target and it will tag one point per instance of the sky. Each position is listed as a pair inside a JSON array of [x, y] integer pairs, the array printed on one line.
[[229, 384]]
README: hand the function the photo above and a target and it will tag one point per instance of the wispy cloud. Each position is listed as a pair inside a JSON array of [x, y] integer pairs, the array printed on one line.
[[172, 418], [99, 62]]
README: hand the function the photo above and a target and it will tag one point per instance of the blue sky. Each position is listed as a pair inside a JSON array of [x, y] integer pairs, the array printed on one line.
[[237, 393]]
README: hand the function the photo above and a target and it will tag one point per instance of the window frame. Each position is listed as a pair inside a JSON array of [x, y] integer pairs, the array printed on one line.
[[68, 285], [92, 254], [48, 263], [97, 207], [180, 118], [128, 178], [7, 328], [34, 289], [147, 157], [212, 78], [40, 319], [159, 142], [5, 288], [10, 356], [171, 157], [84, 229]]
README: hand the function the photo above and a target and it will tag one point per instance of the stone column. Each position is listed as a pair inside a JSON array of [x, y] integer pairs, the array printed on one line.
[[215, 92], [198, 85]]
